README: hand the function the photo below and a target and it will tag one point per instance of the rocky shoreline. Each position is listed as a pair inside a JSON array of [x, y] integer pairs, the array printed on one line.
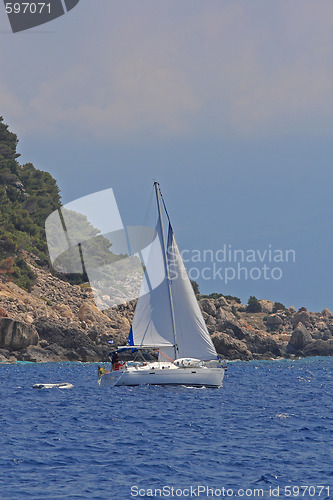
[[58, 321]]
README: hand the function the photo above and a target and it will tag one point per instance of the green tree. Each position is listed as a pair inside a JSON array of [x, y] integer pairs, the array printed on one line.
[[195, 287], [253, 305], [278, 307]]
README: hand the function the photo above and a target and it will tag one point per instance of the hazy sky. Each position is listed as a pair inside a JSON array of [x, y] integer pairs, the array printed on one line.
[[229, 104]]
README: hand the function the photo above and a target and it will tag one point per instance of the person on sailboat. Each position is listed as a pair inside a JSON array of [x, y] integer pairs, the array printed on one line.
[[115, 361], [101, 371]]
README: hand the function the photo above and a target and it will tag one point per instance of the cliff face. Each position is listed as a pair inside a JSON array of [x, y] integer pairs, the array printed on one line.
[[68, 325], [58, 321], [264, 335]]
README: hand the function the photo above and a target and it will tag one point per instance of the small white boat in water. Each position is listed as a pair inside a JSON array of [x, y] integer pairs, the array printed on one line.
[[63, 385], [168, 319]]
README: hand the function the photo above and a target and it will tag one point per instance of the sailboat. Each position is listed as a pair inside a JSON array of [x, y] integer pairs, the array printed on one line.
[[167, 319]]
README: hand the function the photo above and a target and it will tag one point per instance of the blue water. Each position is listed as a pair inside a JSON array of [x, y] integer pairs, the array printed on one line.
[[269, 427]]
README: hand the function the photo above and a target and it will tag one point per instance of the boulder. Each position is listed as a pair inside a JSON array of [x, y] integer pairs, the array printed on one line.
[[89, 313], [300, 337], [66, 336], [37, 354], [88, 355], [301, 317], [63, 310], [274, 320], [230, 348], [316, 334], [15, 335], [327, 313], [224, 315], [211, 321], [266, 306], [319, 348], [6, 356], [208, 306], [222, 302], [232, 326], [327, 335], [3, 358], [263, 345]]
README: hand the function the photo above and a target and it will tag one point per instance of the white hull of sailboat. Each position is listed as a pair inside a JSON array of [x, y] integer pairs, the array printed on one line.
[[195, 377]]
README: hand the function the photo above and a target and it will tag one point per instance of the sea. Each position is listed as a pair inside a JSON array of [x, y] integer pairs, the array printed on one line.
[[267, 433]]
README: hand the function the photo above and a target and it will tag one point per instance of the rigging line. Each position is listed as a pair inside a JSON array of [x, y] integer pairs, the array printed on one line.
[[165, 208], [163, 354], [160, 220]]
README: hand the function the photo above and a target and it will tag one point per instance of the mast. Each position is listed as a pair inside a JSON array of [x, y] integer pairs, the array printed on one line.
[[157, 191]]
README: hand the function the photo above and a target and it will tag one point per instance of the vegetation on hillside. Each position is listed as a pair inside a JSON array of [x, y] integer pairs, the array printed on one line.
[[253, 305], [27, 197]]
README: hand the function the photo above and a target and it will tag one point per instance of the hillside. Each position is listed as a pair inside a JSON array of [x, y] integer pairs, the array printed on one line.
[[44, 318], [58, 321], [27, 197]]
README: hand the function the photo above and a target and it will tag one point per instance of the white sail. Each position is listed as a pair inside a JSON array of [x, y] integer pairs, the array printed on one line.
[[152, 322], [192, 336]]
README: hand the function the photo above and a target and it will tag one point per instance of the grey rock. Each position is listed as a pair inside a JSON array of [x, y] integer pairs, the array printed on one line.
[[231, 348], [37, 354], [266, 306], [15, 335], [265, 346], [327, 335], [208, 306], [69, 338], [316, 334], [6, 356], [232, 326], [88, 355], [274, 320], [319, 348], [224, 315], [327, 313], [222, 302], [211, 320], [300, 337], [321, 325], [301, 317]]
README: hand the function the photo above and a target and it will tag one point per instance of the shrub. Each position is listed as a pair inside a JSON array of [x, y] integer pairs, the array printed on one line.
[[195, 287], [213, 295], [231, 297], [278, 307], [254, 305], [234, 311]]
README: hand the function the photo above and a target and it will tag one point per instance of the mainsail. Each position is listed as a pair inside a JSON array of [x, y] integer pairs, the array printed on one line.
[[152, 322]]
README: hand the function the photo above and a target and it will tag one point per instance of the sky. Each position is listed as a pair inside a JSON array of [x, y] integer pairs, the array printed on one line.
[[227, 103]]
